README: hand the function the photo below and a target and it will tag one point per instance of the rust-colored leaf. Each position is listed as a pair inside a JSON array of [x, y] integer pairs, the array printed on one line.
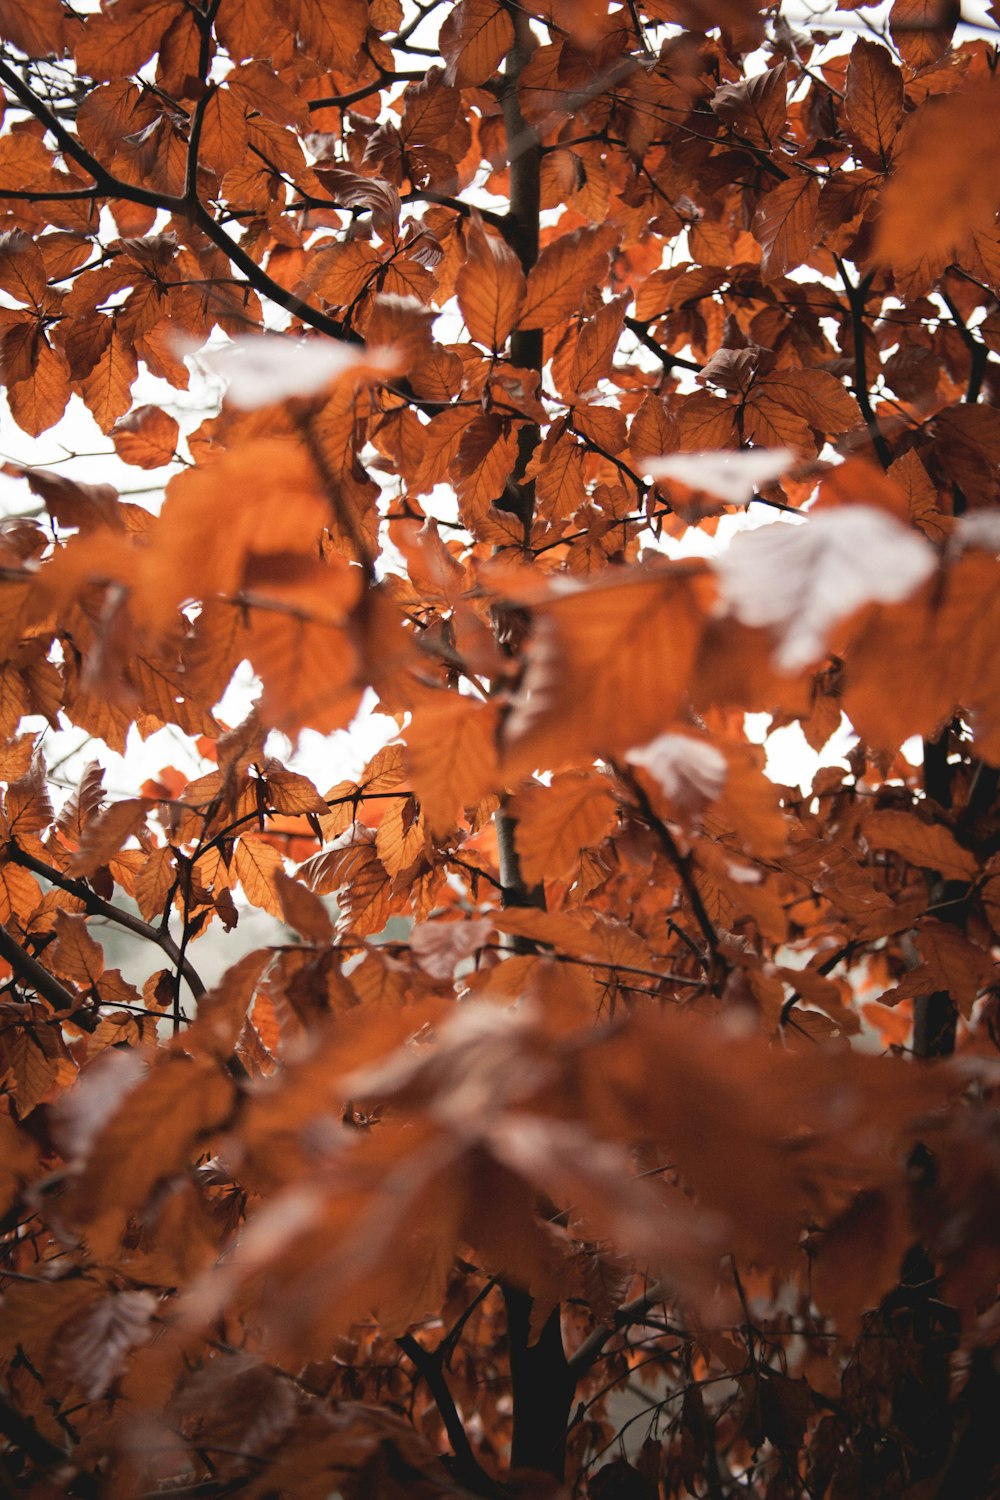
[[555, 824], [474, 38], [147, 436], [566, 269], [490, 288]]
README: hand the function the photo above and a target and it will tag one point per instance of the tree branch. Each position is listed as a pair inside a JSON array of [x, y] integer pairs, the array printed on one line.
[[96, 906], [43, 983], [856, 297], [468, 1469], [667, 360], [632, 1312], [681, 863]]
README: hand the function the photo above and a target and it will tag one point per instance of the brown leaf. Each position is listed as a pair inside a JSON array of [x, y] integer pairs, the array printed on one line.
[[303, 910], [223, 1010], [36, 27], [22, 269], [874, 101], [490, 288], [785, 225], [554, 824], [75, 955], [451, 755], [937, 197], [606, 670], [566, 269], [927, 845], [104, 835], [476, 35], [922, 29], [147, 437], [38, 379], [256, 865]]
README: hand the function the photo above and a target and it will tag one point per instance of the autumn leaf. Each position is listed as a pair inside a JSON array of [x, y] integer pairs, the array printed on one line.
[[490, 288], [104, 836], [474, 38], [874, 103], [934, 200], [554, 824], [257, 865], [929, 845], [607, 668], [36, 27], [785, 225], [147, 437], [75, 955], [451, 755], [566, 268]]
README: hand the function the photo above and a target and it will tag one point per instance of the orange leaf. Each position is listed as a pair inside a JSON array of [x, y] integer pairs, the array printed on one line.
[[606, 670], [565, 270], [147, 437], [451, 754], [107, 388], [476, 35], [74, 955], [22, 270], [256, 864], [104, 835], [222, 1012], [928, 845], [594, 351], [875, 102], [303, 910], [554, 824], [37, 398], [19, 893], [115, 44], [333, 34], [785, 225], [34, 26], [937, 197], [922, 29], [490, 288]]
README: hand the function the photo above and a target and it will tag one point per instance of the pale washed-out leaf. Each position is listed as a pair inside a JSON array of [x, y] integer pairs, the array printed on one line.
[[803, 579], [980, 528], [730, 476], [690, 772], [272, 368]]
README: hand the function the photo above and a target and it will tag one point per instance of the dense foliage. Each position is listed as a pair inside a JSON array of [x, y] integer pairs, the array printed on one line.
[[590, 1130]]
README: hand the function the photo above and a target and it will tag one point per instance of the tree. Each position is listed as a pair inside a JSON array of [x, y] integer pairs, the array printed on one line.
[[548, 1149]]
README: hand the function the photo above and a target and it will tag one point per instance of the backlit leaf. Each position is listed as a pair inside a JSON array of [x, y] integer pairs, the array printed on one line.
[[929, 845], [474, 38], [554, 824], [147, 437], [565, 270], [874, 98], [256, 865], [490, 288]]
